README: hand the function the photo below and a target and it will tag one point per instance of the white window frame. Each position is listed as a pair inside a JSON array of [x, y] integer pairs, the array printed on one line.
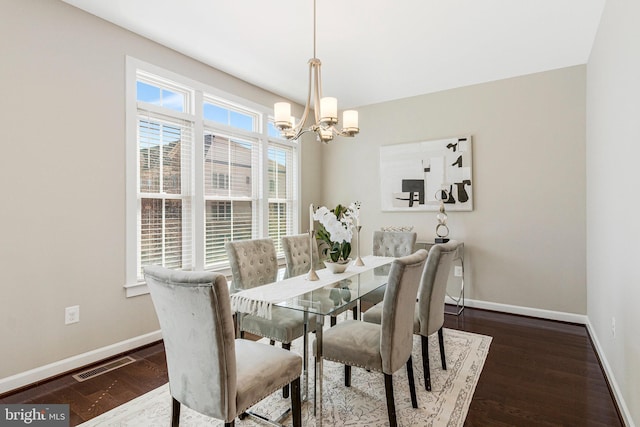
[[201, 92]]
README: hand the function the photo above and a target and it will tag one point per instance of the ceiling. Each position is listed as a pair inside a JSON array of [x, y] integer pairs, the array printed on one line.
[[371, 50]]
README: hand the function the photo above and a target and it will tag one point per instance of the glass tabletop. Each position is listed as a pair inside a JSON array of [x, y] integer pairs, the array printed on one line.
[[333, 297]]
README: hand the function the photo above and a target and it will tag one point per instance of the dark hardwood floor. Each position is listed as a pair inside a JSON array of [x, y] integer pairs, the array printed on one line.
[[538, 373]]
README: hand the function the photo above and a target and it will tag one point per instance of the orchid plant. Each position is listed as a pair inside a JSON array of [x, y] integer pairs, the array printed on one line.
[[336, 230]]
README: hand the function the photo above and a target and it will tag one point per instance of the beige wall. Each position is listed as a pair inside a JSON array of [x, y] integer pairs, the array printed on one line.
[[525, 238], [62, 166], [63, 226], [62, 218], [613, 153]]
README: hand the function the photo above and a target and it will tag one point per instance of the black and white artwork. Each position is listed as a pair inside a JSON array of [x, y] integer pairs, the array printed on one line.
[[413, 175]]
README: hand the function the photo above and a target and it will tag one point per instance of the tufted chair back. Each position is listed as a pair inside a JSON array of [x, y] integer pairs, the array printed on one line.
[[296, 253], [433, 288], [253, 263], [392, 243], [195, 318]]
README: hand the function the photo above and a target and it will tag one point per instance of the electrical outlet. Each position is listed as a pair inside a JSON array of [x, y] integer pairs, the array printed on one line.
[[613, 327], [457, 271], [72, 314]]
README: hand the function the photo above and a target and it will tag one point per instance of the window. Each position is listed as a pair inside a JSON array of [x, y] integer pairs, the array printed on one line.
[[203, 168], [221, 112], [281, 173], [166, 96], [164, 146], [230, 213]]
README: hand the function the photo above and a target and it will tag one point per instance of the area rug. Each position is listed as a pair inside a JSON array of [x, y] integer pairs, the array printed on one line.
[[362, 404]]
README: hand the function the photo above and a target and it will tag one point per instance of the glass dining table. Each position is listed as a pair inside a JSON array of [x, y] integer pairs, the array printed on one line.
[[316, 299]]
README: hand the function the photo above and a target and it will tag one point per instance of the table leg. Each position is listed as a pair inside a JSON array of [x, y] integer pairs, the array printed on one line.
[[318, 378], [460, 299], [305, 355]]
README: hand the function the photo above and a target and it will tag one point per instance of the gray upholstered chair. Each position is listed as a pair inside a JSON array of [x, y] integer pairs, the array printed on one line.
[[429, 311], [385, 347], [393, 243], [296, 254], [389, 243], [254, 263], [209, 370]]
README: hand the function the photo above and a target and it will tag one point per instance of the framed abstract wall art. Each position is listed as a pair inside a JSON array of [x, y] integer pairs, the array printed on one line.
[[413, 175]]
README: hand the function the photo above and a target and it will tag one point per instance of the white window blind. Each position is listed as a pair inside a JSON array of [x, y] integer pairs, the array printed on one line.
[[164, 193], [281, 174], [231, 209]]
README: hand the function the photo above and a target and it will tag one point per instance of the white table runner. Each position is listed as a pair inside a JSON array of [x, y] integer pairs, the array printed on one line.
[[259, 300]]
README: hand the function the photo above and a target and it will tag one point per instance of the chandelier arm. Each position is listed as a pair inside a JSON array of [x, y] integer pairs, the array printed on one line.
[[299, 129], [317, 92], [319, 79]]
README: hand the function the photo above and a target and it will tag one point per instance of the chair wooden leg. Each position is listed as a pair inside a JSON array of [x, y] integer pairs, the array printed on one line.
[[391, 405], [236, 325], [296, 407], [412, 383], [272, 342], [231, 424], [347, 376], [425, 362], [442, 356], [285, 389], [355, 312], [333, 321], [175, 413]]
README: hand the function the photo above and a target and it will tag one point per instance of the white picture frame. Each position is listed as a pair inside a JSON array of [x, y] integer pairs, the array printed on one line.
[[413, 175]]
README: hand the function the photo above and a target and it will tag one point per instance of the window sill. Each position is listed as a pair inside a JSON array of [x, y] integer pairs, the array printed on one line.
[[136, 289], [141, 288]]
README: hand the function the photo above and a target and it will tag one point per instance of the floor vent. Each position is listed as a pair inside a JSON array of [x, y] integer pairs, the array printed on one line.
[[99, 370]]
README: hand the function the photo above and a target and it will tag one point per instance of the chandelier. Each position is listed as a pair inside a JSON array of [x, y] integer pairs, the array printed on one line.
[[325, 108]]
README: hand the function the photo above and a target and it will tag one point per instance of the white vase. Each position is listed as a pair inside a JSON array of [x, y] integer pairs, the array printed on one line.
[[337, 267]]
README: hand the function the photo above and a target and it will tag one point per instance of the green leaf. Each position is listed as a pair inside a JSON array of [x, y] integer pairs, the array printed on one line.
[[346, 250]]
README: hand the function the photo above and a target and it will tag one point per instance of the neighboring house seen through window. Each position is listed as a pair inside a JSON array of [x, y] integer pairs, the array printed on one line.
[[204, 170]]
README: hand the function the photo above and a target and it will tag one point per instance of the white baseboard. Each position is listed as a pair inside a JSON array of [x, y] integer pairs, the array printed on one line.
[[524, 311], [617, 394], [72, 363], [75, 362], [563, 317]]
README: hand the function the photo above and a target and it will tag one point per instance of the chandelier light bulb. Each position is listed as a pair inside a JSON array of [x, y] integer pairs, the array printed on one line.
[[329, 110], [282, 113], [350, 121]]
